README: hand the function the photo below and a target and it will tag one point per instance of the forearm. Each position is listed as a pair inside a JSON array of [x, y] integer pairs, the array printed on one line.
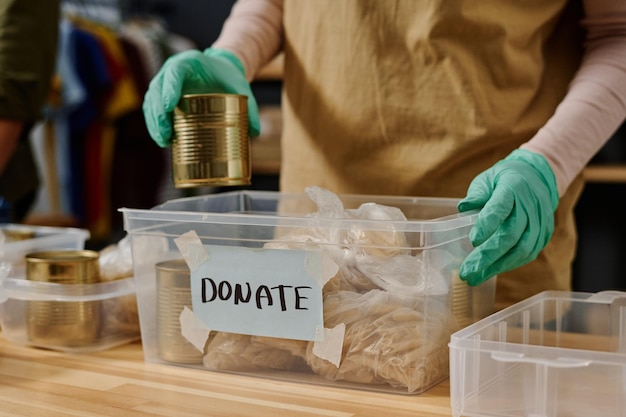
[[595, 105], [253, 32], [10, 131]]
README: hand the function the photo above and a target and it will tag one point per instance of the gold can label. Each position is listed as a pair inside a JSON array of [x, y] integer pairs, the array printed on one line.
[[211, 145], [64, 323], [173, 295]]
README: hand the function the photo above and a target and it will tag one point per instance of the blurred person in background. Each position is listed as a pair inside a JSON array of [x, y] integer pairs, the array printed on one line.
[[501, 101], [28, 45]]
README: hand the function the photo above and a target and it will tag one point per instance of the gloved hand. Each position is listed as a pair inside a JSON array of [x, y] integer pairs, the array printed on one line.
[[194, 72], [517, 197]]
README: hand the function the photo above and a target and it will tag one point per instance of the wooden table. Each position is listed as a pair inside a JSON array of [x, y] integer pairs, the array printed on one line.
[[117, 382]]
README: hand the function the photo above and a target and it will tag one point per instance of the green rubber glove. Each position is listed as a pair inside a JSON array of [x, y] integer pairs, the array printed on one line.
[[194, 72], [517, 198]]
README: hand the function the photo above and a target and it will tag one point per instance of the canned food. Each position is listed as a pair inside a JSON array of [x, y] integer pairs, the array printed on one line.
[[64, 323], [210, 145], [460, 301], [16, 234], [173, 295]]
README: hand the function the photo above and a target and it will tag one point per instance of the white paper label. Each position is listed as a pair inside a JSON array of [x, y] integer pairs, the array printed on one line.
[[260, 292]]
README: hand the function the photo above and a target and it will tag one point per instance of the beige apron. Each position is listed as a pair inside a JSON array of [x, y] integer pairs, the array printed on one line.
[[416, 97]]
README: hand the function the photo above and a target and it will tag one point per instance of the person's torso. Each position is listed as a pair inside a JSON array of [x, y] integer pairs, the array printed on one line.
[[416, 97]]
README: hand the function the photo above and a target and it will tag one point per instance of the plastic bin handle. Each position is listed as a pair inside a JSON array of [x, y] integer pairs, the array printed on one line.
[[553, 363]]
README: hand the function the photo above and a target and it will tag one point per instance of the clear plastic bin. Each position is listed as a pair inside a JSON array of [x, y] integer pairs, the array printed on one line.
[[71, 318], [397, 319], [555, 354], [34, 239]]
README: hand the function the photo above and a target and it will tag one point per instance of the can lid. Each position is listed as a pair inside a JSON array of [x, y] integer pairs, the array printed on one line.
[[174, 265], [63, 266], [211, 103], [62, 255], [15, 234]]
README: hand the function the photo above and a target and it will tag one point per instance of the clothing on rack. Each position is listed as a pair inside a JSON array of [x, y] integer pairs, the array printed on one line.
[[106, 156]]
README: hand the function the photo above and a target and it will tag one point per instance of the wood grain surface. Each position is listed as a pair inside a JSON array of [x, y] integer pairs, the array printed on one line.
[[117, 382]]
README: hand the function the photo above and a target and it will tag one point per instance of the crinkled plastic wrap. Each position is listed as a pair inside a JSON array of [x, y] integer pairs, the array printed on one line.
[[116, 261], [400, 342], [393, 305], [229, 351], [122, 313]]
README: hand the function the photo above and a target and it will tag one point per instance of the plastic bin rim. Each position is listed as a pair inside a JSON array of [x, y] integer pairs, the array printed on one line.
[[51, 233], [452, 222], [448, 222], [537, 353], [48, 230], [23, 289], [543, 296]]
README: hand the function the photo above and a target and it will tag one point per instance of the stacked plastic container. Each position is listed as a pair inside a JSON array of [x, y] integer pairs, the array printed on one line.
[[343, 290], [555, 354], [78, 318], [19, 240]]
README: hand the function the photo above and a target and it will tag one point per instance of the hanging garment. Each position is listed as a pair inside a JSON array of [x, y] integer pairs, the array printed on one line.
[[92, 71], [138, 164]]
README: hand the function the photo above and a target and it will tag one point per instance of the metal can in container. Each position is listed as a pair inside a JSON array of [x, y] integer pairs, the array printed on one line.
[[210, 144], [63, 323], [174, 294], [17, 234]]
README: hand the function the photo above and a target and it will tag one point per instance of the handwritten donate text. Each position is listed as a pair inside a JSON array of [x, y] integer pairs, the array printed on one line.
[[287, 296]]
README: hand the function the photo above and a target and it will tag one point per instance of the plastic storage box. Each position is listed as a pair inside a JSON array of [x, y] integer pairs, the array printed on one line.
[[348, 290], [71, 318], [16, 241], [59, 316], [555, 354]]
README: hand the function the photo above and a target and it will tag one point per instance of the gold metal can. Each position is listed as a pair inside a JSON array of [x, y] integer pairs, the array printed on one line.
[[63, 323], [173, 294], [210, 145], [17, 234]]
